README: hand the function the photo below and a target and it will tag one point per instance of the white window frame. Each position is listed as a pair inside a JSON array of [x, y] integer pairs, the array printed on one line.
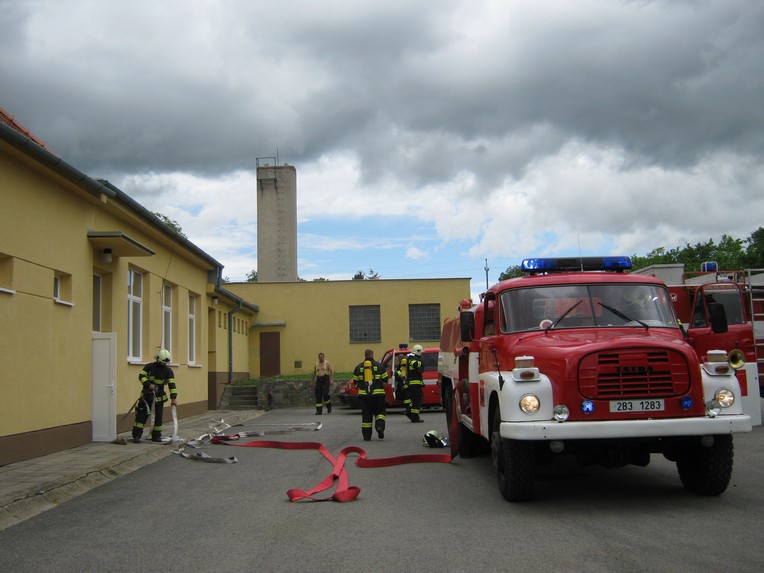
[[134, 310], [167, 317], [192, 304]]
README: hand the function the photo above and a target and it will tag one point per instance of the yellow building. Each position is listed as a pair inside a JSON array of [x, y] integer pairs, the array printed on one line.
[[343, 318], [92, 285]]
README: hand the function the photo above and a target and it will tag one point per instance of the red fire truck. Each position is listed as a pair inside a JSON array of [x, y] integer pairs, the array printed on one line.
[[581, 358], [741, 294], [391, 361]]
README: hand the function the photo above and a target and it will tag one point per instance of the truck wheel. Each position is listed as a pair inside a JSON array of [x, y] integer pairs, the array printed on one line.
[[707, 471], [514, 462]]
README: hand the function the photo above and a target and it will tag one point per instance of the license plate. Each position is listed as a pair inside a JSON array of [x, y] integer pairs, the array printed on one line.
[[636, 406]]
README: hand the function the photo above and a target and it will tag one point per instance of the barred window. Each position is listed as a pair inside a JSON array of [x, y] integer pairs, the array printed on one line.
[[365, 324], [424, 322]]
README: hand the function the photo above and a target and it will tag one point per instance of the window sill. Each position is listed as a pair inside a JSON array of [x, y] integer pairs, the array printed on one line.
[[7, 290], [63, 302], [195, 366]]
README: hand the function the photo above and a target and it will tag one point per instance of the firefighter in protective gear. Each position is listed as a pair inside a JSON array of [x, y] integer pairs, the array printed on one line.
[[370, 377], [154, 377], [415, 382], [402, 383]]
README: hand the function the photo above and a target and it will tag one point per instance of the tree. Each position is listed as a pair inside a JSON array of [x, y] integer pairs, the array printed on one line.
[[320, 279], [252, 276], [511, 272], [372, 276], [730, 253], [754, 250], [172, 223]]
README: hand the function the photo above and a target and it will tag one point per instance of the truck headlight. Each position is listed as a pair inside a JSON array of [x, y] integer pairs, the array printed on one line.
[[725, 397], [529, 404]]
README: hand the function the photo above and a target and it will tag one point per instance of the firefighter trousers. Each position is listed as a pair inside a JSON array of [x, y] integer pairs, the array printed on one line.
[[142, 413], [373, 416], [416, 393], [322, 394]]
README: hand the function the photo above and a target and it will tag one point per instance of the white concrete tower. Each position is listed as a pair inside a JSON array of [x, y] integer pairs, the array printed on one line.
[[276, 222]]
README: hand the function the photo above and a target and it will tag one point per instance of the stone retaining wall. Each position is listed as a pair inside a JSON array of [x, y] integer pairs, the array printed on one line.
[[279, 394]]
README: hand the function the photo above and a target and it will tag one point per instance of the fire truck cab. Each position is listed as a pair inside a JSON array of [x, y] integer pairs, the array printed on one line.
[[581, 358], [739, 294]]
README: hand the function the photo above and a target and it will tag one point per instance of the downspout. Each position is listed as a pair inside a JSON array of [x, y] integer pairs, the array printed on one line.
[[230, 341]]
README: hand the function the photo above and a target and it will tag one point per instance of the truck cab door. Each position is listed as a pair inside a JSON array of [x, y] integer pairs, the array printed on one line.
[[719, 322]]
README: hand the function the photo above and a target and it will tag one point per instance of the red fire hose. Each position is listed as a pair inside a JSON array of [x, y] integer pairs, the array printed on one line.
[[345, 491]]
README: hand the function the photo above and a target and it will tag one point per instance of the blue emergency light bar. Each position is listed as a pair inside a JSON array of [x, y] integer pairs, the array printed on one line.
[[709, 267], [557, 265]]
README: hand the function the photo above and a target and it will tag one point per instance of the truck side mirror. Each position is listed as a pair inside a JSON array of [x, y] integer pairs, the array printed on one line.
[[718, 317], [467, 325]]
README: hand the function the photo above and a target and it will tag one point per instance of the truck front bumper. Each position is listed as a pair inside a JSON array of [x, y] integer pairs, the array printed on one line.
[[625, 428]]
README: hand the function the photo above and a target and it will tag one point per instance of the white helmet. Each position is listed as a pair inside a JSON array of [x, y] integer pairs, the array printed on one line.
[[417, 349], [164, 356], [433, 439]]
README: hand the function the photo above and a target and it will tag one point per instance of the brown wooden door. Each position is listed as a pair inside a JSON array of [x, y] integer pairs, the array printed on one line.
[[270, 354]]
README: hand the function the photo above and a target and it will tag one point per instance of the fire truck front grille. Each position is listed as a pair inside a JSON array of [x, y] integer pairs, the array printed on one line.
[[633, 374]]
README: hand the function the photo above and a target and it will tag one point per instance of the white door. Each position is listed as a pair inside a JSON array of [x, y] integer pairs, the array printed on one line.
[[104, 386]]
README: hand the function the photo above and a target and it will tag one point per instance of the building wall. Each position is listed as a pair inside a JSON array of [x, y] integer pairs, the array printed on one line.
[[313, 317], [46, 347], [225, 367]]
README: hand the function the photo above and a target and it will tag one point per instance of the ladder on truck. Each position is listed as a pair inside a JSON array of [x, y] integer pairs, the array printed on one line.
[[755, 286]]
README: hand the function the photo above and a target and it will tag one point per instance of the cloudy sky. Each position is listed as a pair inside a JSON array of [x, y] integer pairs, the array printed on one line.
[[428, 136]]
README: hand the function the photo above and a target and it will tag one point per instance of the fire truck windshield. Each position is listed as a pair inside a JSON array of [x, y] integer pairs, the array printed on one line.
[[586, 306]]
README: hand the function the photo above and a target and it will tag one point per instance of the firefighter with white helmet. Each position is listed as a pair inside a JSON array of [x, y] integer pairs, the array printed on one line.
[[154, 377], [415, 382]]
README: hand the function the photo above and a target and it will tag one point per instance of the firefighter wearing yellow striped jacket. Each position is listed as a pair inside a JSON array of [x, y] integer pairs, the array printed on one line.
[[415, 382], [154, 377], [370, 377]]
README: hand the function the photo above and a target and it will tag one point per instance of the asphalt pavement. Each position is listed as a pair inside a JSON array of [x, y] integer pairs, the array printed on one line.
[[33, 486]]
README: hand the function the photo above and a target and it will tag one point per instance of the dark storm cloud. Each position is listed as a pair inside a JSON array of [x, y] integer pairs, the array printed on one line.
[[641, 108], [667, 82]]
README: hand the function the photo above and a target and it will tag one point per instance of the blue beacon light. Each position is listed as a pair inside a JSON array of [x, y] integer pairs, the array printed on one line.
[[587, 406]]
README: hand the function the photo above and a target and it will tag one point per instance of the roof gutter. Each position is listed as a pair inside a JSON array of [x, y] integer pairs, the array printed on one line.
[[36, 151], [96, 187]]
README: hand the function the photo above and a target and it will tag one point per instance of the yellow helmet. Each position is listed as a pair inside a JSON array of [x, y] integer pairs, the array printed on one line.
[[418, 349]]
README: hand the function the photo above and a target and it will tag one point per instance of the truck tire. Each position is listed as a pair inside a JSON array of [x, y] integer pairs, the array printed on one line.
[[707, 471], [514, 462]]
